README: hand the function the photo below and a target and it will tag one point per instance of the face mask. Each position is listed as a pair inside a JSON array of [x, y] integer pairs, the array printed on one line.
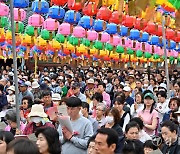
[[109, 119], [36, 119], [145, 85], [10, 92], [53, 83], [80, 113], [179, 119]]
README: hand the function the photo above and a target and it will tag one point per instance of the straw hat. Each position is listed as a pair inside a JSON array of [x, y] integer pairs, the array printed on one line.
[[35, 85], [11, 88], [37, 110]]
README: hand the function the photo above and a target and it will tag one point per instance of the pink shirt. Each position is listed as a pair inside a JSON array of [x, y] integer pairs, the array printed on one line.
[[107, 99], [22, 127], [147, 119]]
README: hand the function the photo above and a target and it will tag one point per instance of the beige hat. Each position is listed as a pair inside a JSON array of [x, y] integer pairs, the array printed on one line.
[[90, 81], [35, 85], [11, 88], [37, 110], [56, 97], [127, 89]]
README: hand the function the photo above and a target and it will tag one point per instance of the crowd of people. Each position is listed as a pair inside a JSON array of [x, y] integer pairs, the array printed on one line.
[[109, 110]]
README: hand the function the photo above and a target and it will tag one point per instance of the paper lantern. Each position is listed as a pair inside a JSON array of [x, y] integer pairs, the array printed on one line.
[[144, 38], [115, 18], [73, 40], [128, 21], [154, 40], [90, 9], [105, 37], [74, 5], [109, 47], [72, 17], [18, 27], [35, 20], [92, 35], [59, 2], [86, 42], [4, 9], [21, 3], [139, 53], [40, 6], [119, 49], [3, 22], [51, 24], [98, 45], [156, 56], [134, 34], [104, 13], [47, 35], [56, 12], [140, 24], [99, 25], [19, 14], [130, 51], [60, 38], [147, 55], [86, 22], [79, 32], [64, 29], [111, 28], [170, 34], [124, 31]]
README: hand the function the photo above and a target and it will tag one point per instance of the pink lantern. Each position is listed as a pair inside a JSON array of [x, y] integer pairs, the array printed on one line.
[[4, 9], [79, 32], [64, 29], [36, 20], [51, 24], [19, 14], [105, 37], [92, 35]]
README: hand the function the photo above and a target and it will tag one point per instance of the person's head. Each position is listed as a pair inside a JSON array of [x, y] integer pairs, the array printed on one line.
[[46, 97], [149, 147], [132, 131], [127, 91], [131, 78], [106, 141], [174, 103], [149, 101], [138, 83], [159, 77], [116, 81], [101, 87], [176, 86], [76, 88], [132, 147], [119, 103], [48, 140], [27, 102], [162, 95], [10, 117], [97, 98], [153, 81], [56, 98], [169, 132], [23, 87], [100, 110], [22, 146], [112, 115], [139, 98], [37, 114], [11, 90], [5, 138], [90, 83], [138, 121], [85, 109], [91, 145], [73, 107]]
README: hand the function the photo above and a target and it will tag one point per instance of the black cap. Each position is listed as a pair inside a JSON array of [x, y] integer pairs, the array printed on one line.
[[76, 85]]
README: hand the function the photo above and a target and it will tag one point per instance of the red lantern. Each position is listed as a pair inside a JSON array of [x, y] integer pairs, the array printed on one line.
[[104, 13], [59, 2], [128, 21], [140, 24], [90, 9], [159, 30], [2, 38], [177, 36], [73, 5], [115, 18], [106, 58], [167, 8], [170, 34], [151, 28], [66, 51]]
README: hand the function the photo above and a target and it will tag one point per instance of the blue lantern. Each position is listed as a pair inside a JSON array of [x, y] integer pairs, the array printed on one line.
[[154, 40], [111, 28], [99, 25], [21, 3], [40, 6], [134, 34], [72, 17], [85, 22], [56, 12], [123, 31]]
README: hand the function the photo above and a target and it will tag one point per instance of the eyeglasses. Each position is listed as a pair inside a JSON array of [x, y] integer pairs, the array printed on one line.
[[99, 110]]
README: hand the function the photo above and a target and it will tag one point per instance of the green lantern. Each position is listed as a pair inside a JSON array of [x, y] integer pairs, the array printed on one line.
[[109, 47], [18, 27], [47, 35], [171, 58], [98, 45], [119, 49], [86, 42], [178, 59], [130, 51], [73, 40], [147, 55], [60, 38], [139, 53], [30, 30], [3, 22], [156, 56]]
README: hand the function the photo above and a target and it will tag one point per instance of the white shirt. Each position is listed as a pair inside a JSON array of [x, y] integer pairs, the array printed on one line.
[[11, 99], [143, 136], [139, 108]]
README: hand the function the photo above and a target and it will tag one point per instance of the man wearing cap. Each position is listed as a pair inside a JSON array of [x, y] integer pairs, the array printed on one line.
[[24, 92], [131, 79], [36, 90], [89, 90], [129, 100], [77, 93], [75, 142], [11, 96]]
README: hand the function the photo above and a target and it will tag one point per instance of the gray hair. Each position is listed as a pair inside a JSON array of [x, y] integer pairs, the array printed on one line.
[[11, 115], [102, 105]]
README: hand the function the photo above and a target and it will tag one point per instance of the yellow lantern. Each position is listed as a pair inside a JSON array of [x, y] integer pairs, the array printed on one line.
[[93, 51], [102, 53], [26, 39], [55, 44], [8, 35], [81, 48], [40, 41], [70, 47]]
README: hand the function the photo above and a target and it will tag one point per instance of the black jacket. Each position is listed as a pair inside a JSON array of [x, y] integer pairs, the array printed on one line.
[[173, 149]]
